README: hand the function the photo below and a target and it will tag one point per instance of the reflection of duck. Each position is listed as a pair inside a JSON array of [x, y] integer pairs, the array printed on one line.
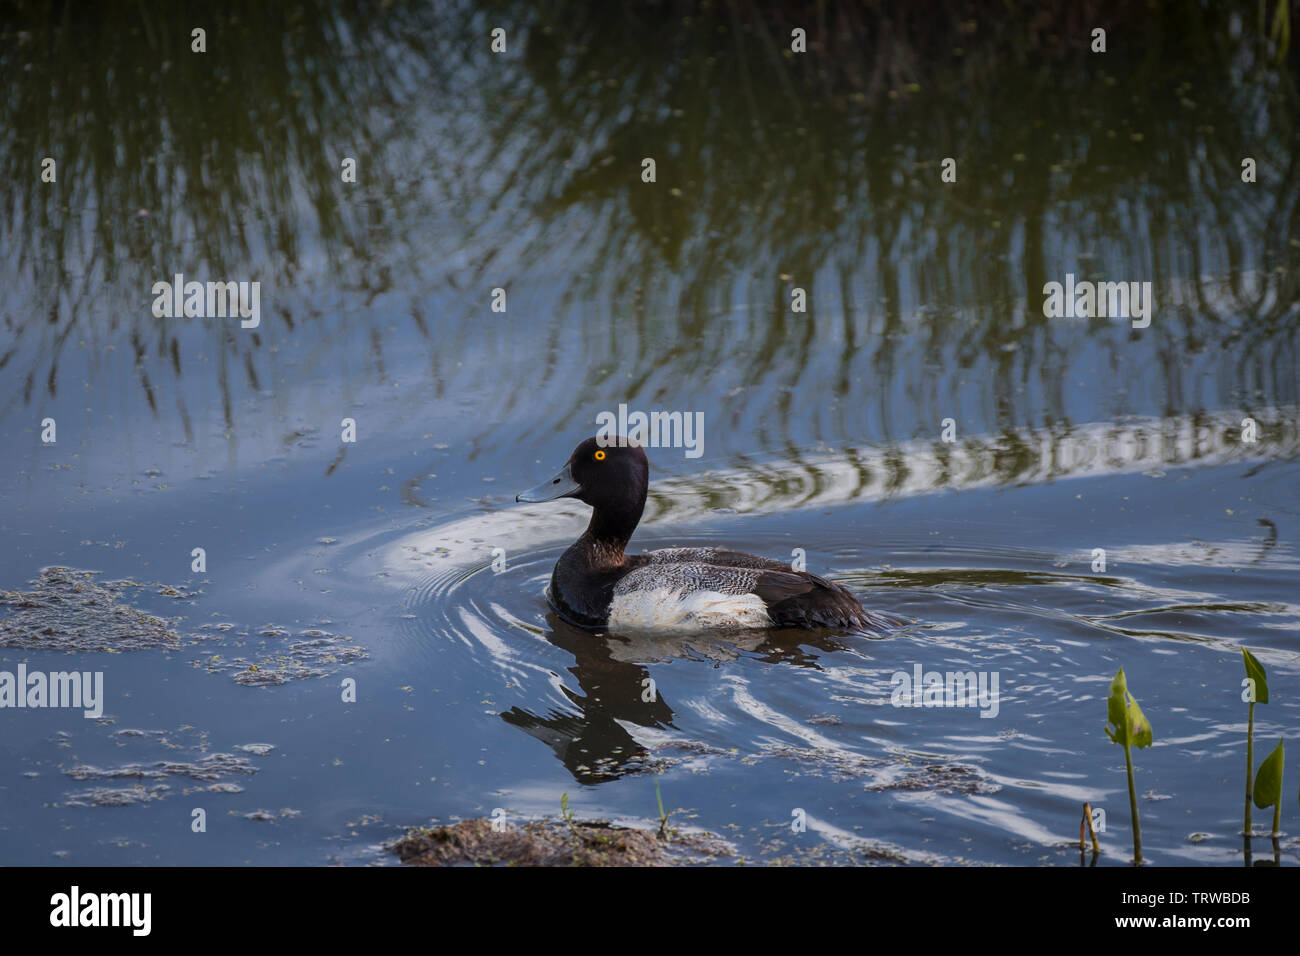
[[612, 698], [614, 702], [596, 584]]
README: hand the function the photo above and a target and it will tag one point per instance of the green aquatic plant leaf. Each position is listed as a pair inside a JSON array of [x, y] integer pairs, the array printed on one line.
[[1115, 715], [1255, 671], [1268, 782], [1130, 726], [1139, 727]]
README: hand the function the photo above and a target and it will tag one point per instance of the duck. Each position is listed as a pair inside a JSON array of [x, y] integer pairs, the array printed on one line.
[[597, 585]]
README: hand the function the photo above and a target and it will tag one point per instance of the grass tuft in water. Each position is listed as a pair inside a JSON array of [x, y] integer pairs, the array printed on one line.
[[664, 833], [567, 814]]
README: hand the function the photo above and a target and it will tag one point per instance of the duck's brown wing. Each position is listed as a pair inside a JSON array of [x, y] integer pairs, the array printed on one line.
[[800, 599], [793, 598]]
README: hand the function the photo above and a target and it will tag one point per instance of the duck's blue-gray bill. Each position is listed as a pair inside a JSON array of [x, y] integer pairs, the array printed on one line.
[[561, 486]]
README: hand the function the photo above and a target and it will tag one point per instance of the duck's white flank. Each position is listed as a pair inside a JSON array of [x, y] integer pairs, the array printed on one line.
[[662, 609], [675, 593]]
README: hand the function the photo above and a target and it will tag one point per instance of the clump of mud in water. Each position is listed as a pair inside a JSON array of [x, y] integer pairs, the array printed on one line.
[[67, 610], [550, 843]]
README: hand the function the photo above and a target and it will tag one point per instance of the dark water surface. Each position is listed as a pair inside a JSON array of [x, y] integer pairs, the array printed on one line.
[[522, 171]]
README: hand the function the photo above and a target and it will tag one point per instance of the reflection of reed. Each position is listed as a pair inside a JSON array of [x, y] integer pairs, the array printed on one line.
[[774, 170], [848, 475]]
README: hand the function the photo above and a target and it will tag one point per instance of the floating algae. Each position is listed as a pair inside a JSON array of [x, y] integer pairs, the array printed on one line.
[[940, 778], [878, 773], [315, 653], [154, 779], [116, 797], [270, 816], [67, 610], [883, 775], [211, 767], [552, 843]]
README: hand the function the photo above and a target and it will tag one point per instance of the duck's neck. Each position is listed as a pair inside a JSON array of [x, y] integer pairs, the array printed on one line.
[[611, 527]]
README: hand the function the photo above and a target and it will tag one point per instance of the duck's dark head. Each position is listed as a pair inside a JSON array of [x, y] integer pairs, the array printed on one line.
[[610, 474]]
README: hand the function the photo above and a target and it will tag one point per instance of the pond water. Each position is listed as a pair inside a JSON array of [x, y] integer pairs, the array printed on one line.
[[399, 564]]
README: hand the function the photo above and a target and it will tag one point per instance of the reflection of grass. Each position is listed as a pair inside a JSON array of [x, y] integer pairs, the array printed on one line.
[[223, 164], [821, 171], [1280, 34], [220, 159], [818, 170]]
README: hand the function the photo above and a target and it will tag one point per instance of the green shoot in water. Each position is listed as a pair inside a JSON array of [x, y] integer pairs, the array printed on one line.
[[1255, 690], [567, 813], [663, 817], [1128, 727], [1268, 786]]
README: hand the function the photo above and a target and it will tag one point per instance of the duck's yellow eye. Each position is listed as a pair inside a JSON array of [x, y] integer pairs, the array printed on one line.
[[600, 456]]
